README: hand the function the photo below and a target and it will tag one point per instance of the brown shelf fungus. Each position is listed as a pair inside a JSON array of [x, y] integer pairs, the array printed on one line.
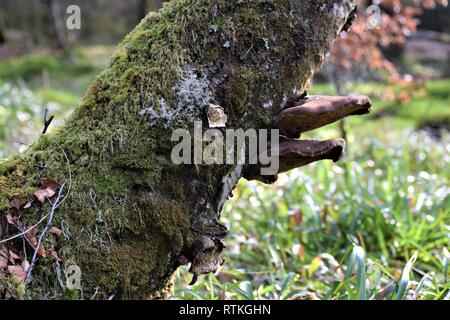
[[308, 114]]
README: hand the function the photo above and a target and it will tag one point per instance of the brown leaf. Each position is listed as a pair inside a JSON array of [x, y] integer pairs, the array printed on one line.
[[33, 240], [16, 203], [56, 231], [50, 184], [25, 265], [50, 192], [10, 219], [17, 271], [44, 194], [3, 262], [54, 254], [31, 235], [14, 256], [41, 195], [41, 251], [4, 253]]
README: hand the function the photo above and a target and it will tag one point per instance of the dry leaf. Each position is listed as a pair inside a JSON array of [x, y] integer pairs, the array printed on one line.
[[50, 192], [17, 271], [41, 195], [3, 262], [56, 231], [27, 206], [44, 194], [50, 184], [54, 254], [10, 219], [41, 251], [16, 203], [25, 265], [31, 235], [13, 255], [4, 253]]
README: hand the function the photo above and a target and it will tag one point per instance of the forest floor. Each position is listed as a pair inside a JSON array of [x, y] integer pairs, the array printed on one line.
[[374, 226]]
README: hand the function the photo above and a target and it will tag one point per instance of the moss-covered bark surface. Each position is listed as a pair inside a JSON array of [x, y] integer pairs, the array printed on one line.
[[129, 216]]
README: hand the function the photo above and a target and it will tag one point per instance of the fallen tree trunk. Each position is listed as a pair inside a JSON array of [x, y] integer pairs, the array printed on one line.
[[128, 216]]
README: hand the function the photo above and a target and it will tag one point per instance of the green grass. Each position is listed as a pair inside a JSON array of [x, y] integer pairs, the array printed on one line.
[[28, 66], [67, 100], [61, 73], [432, 104], [344, 231]]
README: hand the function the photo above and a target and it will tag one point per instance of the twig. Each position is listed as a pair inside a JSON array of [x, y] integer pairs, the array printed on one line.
[[95, 293], [70, 174], [47, 121], [41, 237], [58, 273], [26, 231]]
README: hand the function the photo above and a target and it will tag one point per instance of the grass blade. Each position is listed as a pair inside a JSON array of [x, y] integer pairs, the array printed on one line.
[[404, 281]]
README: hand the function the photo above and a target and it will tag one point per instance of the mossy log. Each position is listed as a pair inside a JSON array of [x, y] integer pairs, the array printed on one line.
[[129, 217]]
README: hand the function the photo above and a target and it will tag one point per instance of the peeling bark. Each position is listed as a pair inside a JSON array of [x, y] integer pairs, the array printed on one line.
[[130, 216]]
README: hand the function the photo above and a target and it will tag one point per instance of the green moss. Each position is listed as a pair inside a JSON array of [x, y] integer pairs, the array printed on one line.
[[214, 53], [101, 154], [14, 285], [71, 294]]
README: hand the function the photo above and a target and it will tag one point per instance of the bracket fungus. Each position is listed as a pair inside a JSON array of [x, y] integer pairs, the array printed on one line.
[[308, 114]]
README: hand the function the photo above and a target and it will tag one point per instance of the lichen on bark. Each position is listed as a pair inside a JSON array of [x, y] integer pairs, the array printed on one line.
[[130, 217]]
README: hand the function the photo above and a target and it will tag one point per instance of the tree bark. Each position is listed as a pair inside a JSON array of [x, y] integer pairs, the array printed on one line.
[[129, 216], [58, 23], [158, 4], [2, 37], [2, 29]]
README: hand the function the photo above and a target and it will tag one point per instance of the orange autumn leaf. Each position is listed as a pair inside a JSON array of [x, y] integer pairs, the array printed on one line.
[[31, 236], [41, 251], [50, 184]]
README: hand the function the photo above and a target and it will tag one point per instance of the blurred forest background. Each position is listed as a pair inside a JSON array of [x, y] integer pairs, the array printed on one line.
[[374, 226]]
